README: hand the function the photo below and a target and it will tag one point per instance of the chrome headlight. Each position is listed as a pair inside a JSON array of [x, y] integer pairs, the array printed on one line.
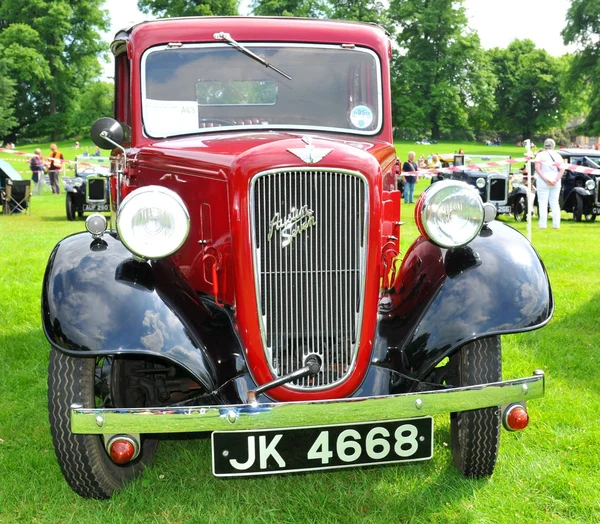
[[590, 185], [153, 222], [480, 183], [449, 213]]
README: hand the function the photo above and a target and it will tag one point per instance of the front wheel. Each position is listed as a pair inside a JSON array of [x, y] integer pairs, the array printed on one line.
[[476, 433], [70, 208], [83, 458], [520, 209]]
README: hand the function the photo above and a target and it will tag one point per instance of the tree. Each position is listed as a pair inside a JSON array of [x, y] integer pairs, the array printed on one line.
[[583, 29], [440, 79], [168, 8], [52, 49], [95, 102], [528, 92], [7, 97], [301, 8]]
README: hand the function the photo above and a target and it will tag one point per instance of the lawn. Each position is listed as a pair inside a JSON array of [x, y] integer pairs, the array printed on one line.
[[549, 472]]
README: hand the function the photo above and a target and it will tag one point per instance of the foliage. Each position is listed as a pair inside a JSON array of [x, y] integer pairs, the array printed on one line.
[[301, 8], [171, 8], [96, 101], [7, 98], [51, 51], [528, 90], [583, 29], [439, 78]]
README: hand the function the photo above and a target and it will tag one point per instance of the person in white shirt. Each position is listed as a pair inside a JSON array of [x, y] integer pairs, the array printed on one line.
[[547, 183]]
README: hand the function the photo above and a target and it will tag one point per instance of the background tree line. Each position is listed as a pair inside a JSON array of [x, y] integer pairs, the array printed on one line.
[[444, 84]]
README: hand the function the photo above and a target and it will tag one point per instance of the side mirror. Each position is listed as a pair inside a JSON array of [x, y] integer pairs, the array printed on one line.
[[106, 133]]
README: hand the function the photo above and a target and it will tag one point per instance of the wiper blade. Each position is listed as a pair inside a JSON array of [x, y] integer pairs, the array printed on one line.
[[247, 52]]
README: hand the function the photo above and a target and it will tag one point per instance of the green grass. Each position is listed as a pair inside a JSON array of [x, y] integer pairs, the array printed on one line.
[[548, 472]]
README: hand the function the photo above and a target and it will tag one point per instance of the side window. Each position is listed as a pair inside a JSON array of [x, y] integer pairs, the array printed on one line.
[[123, 89]]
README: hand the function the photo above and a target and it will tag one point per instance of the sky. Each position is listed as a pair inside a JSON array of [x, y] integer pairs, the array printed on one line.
[[498, 22]]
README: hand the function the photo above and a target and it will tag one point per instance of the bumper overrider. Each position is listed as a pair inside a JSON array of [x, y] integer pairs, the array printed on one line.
[[256, 416]]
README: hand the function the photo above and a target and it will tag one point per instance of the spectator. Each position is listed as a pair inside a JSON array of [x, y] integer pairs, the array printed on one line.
[[547, 177], [97, 152], [76, 146], [86, 152], [435, 162], [56, 166], [36, 165], [410, 180]]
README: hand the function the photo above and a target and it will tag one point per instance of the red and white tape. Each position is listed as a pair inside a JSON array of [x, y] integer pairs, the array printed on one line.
[[569, 167], [44, 158]]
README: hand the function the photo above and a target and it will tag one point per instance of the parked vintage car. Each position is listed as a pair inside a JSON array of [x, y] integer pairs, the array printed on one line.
[[252, 286], [492, 186], [579, 190], [88, 190]]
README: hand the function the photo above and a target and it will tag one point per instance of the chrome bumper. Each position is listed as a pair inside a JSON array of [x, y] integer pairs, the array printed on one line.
[[296, 414]]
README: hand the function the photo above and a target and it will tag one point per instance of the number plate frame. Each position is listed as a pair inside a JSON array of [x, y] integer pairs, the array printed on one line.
[[293, 445], [96, 207]]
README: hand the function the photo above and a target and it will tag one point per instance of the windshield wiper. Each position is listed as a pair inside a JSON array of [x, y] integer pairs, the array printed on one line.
[[247, 52]]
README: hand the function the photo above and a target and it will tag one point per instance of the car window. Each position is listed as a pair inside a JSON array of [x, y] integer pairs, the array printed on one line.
[[194, 88]]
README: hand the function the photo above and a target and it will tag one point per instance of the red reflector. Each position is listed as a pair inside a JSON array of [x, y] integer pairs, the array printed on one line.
[[122, 451], [516, 418]]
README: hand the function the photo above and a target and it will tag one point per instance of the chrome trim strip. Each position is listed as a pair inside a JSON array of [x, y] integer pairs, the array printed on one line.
[[276, 184], [293, 414]]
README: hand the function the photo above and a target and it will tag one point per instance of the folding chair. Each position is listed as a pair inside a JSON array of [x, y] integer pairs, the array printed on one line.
[[18, 196]]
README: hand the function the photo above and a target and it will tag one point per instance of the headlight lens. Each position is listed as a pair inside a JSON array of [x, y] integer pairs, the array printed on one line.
[[153, 222], [449, 213], [480, 183], [590, 185]]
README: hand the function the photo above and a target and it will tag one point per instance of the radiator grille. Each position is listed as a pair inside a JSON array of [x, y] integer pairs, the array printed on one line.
[[96, 190], [309, 240], [498, 190]]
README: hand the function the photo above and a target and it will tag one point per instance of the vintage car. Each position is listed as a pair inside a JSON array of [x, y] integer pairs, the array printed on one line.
[[492, 186], [88, 190], [579, 190], [250, 284]]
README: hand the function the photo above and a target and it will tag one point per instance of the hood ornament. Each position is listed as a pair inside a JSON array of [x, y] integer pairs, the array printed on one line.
[[310, 154]]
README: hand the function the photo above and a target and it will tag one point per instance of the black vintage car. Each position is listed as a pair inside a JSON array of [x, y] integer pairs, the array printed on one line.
[[89, 189], [580, 193], [492, 186]]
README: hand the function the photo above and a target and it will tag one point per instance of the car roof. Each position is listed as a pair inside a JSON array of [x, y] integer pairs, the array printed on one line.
[[575, 151]]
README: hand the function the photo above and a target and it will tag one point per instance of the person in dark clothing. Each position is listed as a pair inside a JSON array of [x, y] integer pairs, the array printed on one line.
[[56, 166], [410, 180]]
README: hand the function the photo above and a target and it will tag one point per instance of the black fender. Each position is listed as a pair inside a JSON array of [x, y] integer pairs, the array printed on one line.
[[98, 300], [588, 198], [445, 298]]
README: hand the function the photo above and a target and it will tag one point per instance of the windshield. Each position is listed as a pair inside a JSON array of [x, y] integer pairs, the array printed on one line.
[[195, 88]]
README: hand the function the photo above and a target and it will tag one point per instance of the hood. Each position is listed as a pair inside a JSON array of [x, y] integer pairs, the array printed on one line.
[[219, 155]]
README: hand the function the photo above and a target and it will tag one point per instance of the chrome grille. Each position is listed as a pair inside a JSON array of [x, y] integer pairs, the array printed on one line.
[[96, 189], [309, 241]]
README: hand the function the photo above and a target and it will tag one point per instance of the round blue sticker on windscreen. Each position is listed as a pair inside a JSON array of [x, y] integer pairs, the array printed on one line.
[[361, 117]]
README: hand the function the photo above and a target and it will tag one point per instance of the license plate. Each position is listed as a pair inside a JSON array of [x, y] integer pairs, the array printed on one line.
[[503, 209], [272, 451], [596, 211], [95, 207]]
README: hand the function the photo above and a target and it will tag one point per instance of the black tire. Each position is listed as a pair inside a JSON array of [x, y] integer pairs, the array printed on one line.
[[69, 207], [82, 458], [520, 209], [476, 433], [578, 208]]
